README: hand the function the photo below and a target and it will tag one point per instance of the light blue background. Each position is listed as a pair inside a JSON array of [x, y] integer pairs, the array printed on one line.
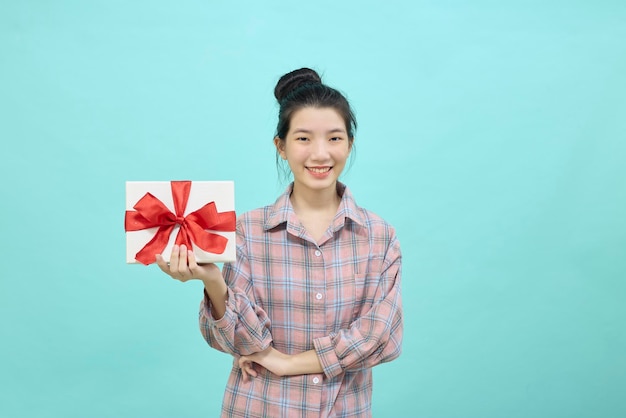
[[492, 135]]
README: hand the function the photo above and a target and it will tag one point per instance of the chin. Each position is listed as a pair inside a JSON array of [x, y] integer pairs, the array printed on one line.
[[318, 184]]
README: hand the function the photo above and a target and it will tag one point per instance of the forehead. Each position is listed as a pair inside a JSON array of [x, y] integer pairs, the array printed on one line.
[[317, 118]]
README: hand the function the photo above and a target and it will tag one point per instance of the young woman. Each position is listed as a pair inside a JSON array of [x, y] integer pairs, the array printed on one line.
[[313, 301]]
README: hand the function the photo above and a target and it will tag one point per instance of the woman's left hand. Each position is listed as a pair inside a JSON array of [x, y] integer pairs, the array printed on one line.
[[270, 358]]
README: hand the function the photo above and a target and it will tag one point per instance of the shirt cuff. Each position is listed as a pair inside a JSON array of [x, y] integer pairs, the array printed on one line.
[[327, 356], [225, 322]]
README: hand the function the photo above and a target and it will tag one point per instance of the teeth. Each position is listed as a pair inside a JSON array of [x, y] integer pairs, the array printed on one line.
[[319, 170]]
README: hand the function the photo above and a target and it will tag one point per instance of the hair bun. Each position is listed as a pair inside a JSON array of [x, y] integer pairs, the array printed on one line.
[[291, 81]]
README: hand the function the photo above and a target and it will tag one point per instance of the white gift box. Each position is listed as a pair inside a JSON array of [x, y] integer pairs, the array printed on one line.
[[222, 193]]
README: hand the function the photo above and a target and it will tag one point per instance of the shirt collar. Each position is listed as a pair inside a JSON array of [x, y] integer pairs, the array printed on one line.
[[282, 210]]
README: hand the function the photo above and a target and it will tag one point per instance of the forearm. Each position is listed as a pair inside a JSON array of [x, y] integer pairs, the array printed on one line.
[[306, 362], [231, 322], [281, 364], [217, 292]]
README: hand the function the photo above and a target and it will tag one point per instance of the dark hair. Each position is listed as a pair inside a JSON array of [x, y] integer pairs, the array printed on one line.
[[304, 88]]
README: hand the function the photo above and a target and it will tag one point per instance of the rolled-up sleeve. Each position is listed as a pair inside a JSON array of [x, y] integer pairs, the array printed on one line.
[[376, 336], [245, 327]]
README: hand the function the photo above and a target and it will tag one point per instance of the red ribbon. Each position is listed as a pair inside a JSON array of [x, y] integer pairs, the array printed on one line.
[[151, 212]]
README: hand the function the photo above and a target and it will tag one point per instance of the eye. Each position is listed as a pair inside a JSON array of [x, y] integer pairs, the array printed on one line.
[[302, 138], [335, 138]]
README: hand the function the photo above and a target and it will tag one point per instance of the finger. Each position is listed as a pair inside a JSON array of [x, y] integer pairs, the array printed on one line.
[[242, 366], [249, 367], [174, 260], [252, 371], [191, 261], [182, 259]]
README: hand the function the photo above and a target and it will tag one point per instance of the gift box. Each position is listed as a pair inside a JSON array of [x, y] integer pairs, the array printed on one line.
[[199, 214]]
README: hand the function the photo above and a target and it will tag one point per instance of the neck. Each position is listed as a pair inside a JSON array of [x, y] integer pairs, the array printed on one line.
[[304, 199]]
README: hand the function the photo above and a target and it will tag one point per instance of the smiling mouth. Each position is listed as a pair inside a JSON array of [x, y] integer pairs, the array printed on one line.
[[319, 170]]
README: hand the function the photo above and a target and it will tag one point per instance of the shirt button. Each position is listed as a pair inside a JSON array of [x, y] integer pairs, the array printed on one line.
[[318, 296], [318, 253], [316, 380]]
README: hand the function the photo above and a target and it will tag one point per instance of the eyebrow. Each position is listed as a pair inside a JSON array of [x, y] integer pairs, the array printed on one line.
[[332, 131]]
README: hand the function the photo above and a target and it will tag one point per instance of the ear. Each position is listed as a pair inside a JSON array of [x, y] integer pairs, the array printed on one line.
[[280, 147]]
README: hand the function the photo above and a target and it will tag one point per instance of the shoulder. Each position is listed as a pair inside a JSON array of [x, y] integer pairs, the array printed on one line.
[[254, 220], [376, 226], [258, 220]]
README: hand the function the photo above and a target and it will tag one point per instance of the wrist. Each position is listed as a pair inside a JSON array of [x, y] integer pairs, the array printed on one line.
[[209, 274], [212, 284]]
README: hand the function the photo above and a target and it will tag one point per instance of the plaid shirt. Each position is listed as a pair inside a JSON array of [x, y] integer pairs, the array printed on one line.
[[340, 297]]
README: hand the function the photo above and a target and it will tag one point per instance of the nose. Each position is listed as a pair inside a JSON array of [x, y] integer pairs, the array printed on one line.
[[319, 151]]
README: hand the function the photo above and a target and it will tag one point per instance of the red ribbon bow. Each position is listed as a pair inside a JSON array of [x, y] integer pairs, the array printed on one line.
[[151, 212]]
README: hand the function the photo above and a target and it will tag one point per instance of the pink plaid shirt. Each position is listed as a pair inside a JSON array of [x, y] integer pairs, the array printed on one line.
[[340, 297]]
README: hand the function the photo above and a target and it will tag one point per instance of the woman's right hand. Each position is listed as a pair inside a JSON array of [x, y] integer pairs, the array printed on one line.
[[183, 267]]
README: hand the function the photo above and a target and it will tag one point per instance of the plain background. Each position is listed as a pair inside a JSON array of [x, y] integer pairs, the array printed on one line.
[[492, 134]]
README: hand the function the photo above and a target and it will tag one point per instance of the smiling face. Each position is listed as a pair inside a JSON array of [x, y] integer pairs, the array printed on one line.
[[316, 148]]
